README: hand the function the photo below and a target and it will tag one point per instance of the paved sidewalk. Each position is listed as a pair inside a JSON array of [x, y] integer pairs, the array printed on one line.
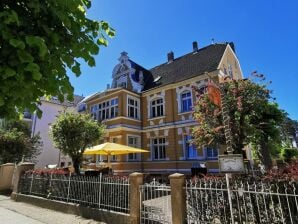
[[12, 212]]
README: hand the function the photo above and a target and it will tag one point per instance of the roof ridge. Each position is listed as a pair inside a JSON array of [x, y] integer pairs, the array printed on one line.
[[190, 53]]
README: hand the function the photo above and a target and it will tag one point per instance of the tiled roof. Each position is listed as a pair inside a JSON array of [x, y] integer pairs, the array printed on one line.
[[188, 66], [76, 100]]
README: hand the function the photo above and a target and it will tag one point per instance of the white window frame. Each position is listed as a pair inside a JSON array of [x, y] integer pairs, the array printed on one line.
[[107, 109], [213, 149], [160, 146], [136, 156], [93, 111], [115, 107], [186, 99], [187, 145], [136, 108], [179, 91], [155, 107]]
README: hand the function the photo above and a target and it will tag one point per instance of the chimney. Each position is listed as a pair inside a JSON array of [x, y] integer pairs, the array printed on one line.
[[170, 57], [195, 46]]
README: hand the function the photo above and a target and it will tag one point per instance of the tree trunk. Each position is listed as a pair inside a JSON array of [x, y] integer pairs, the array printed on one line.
[[264, 155], [76, 164]]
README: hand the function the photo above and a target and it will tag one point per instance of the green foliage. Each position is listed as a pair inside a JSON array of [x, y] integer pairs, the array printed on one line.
[[253, 118], [288, 129], [39, 42], [289, 153], [16, 144], [73, 133]]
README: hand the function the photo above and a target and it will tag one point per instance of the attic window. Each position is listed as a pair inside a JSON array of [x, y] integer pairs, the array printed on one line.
[[157, 78]]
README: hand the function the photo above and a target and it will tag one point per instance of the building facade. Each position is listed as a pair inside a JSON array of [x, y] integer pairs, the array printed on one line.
[[51, 109], [152, 109]]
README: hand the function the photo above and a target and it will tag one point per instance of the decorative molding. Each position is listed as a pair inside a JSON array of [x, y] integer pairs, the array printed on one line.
[[179, 91], [155, 118], [179, 130], [152, 97]]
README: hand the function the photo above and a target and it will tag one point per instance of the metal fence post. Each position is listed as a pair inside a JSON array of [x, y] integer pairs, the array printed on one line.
[[68, 188], [32, 177], [99, 197], [230, 198]]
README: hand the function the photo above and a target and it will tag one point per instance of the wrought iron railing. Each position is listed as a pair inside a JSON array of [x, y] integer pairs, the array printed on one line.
[[103, 192], [155, 203], [252, 202]]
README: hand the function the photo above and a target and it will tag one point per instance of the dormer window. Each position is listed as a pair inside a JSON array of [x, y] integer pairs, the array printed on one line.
[[122, 84]]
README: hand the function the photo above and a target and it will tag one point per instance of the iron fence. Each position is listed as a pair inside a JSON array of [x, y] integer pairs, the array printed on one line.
[[210, 201], [103, 192], [155, 203]]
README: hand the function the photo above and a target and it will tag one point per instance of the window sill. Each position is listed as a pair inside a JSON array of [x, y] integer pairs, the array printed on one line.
[[132, 118], [212, 158], [165, 159], [155, 118], [186, 112], [191, 159], [121, 117]]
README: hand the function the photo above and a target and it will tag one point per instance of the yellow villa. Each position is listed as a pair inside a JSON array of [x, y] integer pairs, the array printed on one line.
[[152, 109]]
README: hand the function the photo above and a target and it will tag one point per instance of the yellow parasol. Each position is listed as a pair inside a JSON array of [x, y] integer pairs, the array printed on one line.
[[109, 149]]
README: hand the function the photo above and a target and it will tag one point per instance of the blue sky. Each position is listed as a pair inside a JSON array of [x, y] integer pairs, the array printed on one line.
[[265, 34]]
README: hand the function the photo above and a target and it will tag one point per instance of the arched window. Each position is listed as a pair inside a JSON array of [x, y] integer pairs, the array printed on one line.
[[157, 108], [186, 102]]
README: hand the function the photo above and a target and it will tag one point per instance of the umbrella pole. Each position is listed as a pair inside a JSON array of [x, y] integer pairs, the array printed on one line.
[[109, 161]]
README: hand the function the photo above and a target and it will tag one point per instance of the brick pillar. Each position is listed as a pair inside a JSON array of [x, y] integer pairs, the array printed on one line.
[[178, 198], [135, 180], [19, 171], [6, 174]]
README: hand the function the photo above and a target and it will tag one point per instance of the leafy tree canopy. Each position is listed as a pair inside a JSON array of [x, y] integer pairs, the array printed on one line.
[[253, 117], [16, 144], [39, 42], [73, 133]]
